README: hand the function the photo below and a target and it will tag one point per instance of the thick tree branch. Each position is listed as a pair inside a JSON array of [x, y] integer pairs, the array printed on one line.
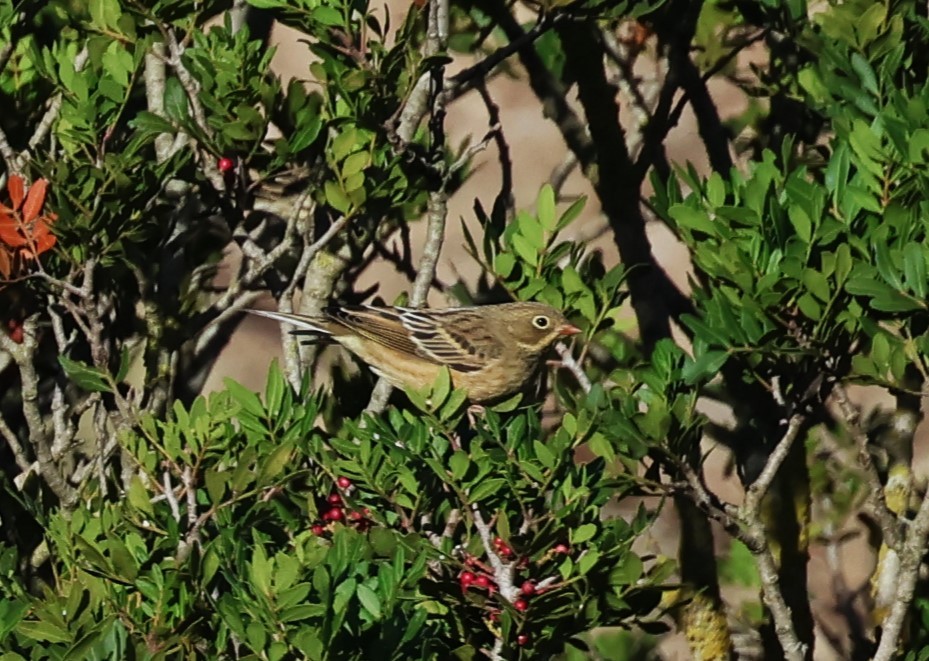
[[655, 298]]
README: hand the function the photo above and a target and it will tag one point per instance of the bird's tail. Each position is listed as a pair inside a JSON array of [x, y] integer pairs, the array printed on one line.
[[303, 322]]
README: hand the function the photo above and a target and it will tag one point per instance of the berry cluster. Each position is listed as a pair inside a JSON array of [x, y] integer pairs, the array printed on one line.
[[336, 511], [479, 576]]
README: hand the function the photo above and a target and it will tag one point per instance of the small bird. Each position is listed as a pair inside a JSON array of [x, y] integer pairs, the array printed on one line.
[[491, 351]]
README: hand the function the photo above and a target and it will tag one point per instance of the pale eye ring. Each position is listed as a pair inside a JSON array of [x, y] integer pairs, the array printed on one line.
[[541, 322]]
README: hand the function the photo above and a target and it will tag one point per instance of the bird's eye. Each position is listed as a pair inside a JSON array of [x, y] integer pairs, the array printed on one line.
[[541, 322]]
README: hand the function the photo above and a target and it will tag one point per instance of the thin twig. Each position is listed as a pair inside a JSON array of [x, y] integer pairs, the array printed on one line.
[[793, 649], [15, 446], [757, 489], [475, 75], [48, 119], [503, 571], [911, 555], [874, 493], [154, 76], [24, 357], [568, 362], [561, 172], [746, 525], [192, 88], [437, 207]]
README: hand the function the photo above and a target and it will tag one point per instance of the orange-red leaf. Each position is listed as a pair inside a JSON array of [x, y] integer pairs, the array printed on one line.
[[42, 238], [10, 234], [15, 188], [6, 263], [34, 200]]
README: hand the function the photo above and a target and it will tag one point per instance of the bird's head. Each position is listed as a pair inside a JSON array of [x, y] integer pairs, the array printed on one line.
[[536, 326]]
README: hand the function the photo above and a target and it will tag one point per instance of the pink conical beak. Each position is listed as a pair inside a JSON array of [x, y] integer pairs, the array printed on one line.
[[568, 329]]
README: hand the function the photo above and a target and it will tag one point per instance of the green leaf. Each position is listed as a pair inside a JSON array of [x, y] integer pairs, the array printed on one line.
[[627, 571], [85, 376], [865, 73], [866, 285], [818, 285], [914, 268], [43, 631], [692, 219], [504, 263], [843, 263], [583, 533], [525, 250], [571, 281], [600, 445], [274, 465], [175, 101], [707, 365], [139, 496], [880, 349], [270, 4], [544, 455], [369, 600], [117, 62], [355, 163], [485, 488], [545, 208], [801, 222], [571, 213], [328, 16], [508, 405], [124, 362], [809, 307], [459, 464], [715, 190], [886, 266], [336, 197], [215, 481], [441, 387], [149, 122], [305, 135], [248, 399], [104, 14], [260, 570]]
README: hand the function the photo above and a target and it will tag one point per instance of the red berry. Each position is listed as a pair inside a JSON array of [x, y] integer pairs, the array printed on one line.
[[355, 515], [522, 639], [528, 588], [561, 548], [343, 482], [225, 164], [16, 330], [466, 578], [335, 514], [504, 550], [334, 499], [317, 529], [499, 541], [482, 581], [521, 605]]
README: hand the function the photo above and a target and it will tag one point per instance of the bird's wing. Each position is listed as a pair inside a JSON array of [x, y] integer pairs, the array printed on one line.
[[379, 325], [459, 338], [426, 334]]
